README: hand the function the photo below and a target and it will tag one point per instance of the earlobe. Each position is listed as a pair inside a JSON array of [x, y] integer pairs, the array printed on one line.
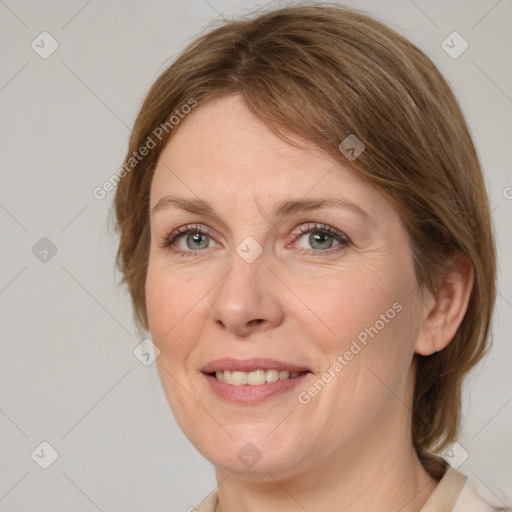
[[446, 312]]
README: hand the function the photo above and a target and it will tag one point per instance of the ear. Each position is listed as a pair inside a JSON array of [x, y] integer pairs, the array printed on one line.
[[444, 311]]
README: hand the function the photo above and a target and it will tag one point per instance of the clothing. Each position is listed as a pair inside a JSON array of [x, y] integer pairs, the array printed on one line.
[[453, 493]]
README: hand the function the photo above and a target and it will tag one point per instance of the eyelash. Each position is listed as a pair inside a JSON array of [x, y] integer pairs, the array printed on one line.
[[298, 234]]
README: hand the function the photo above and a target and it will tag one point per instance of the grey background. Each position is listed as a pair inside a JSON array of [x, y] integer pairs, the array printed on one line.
[[68, 375]]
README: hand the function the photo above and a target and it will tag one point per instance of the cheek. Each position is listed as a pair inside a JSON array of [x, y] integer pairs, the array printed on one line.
[[372, 318], [359, 305], [173, 310], [368, 358], [172, 316], [158, 303]]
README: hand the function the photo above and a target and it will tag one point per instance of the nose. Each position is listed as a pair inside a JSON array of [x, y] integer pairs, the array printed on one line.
[[247, 298]]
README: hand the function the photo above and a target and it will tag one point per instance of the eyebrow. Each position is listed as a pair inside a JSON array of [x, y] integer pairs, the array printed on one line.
[[281, 209]]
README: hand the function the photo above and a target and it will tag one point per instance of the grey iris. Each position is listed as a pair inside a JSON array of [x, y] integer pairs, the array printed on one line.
[[320, 238], [197, 238]]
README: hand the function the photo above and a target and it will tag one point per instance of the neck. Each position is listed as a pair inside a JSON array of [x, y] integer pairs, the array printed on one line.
[[378, 471]]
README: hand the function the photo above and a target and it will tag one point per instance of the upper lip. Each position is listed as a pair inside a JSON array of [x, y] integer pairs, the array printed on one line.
[[248, 365]]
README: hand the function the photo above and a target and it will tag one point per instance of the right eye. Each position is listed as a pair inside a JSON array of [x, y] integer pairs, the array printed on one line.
[[188, 240]]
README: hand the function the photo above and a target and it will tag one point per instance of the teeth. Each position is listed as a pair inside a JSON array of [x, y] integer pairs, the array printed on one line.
[[254, 378], [239, 378], [271, 375]]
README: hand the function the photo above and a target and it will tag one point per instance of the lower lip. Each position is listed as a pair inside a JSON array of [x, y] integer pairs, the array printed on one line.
[[249, 394]]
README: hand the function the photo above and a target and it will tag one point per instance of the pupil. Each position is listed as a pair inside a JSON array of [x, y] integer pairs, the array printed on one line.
[[320, 238]]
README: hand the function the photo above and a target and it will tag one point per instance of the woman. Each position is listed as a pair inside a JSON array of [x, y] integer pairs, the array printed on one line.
[[305, 232]]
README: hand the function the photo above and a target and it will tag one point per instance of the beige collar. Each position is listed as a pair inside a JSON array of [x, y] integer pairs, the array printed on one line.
[[442, 499], [446, 492]]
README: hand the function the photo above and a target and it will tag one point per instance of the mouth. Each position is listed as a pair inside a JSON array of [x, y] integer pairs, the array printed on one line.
[[252, 381]]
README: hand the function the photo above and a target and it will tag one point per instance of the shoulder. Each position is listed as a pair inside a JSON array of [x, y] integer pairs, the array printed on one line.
[[455, 492], [208, 504], [470, 500]]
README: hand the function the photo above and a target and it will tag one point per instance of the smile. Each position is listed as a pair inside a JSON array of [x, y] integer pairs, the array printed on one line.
[[252, 381]]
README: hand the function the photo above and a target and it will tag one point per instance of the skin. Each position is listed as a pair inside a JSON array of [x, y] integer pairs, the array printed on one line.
[[350, 447]]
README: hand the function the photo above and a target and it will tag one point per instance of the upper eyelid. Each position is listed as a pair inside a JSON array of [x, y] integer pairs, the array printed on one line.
[[187, 229], [320, 226]]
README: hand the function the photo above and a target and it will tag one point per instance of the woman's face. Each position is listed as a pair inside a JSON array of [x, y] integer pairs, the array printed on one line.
[[290, 263]]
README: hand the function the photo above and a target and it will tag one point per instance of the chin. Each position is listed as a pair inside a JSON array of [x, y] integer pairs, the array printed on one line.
[[252, 452]]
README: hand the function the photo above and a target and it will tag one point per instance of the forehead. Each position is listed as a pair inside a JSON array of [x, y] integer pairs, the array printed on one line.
[[222, 152], [224, 135]]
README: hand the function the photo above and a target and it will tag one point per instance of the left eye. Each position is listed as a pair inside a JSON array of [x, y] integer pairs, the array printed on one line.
[[320, 238]]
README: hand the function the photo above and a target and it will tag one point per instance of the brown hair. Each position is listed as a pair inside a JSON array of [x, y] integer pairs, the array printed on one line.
[[325, 72]]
